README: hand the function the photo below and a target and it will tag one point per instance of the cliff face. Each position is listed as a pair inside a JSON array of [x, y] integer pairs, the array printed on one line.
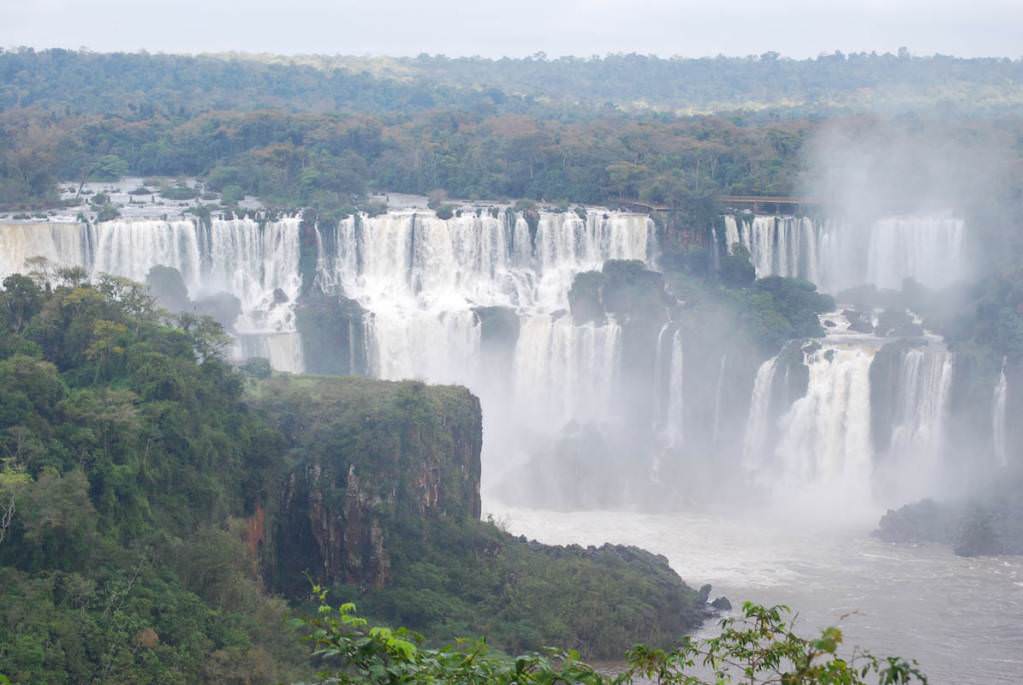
[[368, 459]]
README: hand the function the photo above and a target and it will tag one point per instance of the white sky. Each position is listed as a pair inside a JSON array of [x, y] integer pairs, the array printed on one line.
[[492, 28]]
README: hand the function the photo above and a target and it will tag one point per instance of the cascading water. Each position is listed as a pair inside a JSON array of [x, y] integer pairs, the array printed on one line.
[[64, 244], [921, 400], [758, 424], [1000, 418], [718, 395], [821, 450], [825, 445], [837, 255], [669, 372], [422, 282]]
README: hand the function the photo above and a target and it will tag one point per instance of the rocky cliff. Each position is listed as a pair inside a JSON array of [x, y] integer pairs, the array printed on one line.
[[366, 458], [377, 497]]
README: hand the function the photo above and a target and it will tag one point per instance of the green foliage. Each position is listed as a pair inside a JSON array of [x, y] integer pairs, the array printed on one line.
[[759, 648], [768, 311], [125, 448], [736, 268], [179, 192], [232, 194]]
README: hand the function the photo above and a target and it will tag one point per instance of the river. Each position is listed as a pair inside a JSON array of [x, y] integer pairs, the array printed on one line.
[[961, 618]]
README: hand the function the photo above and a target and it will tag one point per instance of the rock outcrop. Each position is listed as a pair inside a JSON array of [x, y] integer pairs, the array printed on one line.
[[367, 458]]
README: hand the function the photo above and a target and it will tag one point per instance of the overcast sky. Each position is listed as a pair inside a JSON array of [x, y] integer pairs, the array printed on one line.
[[795, 28]]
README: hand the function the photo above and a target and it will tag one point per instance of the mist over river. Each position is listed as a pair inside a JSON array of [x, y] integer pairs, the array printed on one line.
[[961, 618]]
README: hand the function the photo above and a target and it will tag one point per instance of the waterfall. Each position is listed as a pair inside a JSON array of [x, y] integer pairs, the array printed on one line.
[[131, 248], [927, 249], [661, 379], [778, 245], [755, 442], [422, 277], [718, 392], [825, 435], [63, 244], [563, 371], [913, 461], [841, 254], [255, 263], [731, 233], [999, 419], [673, 429], [824, 448]]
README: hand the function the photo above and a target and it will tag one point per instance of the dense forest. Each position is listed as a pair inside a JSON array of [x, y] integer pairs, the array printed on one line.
[[301, 136]]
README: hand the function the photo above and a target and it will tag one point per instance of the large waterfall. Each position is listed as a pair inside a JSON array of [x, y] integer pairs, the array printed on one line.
[[482, 299], [841, 254]]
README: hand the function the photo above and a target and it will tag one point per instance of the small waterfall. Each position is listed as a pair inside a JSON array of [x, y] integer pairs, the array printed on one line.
[[825, 436], [837, 255], [755, 442], [928, 249], [718, 393], [661, 379], [920, 407], [563, 371], [731, 233], [255, 263], [778, 245], [132, 248], [999, 419], [673, 429], [63, 244]]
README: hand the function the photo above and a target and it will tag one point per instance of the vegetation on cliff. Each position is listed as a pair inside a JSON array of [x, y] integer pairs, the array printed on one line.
[[393, 470]]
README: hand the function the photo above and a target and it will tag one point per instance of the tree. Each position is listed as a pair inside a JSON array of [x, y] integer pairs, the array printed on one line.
[[21, 300]]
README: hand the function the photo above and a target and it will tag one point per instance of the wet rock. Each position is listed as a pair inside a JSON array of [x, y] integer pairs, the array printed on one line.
[[224, 308], [704, 593], [894, 323], [722, 604]]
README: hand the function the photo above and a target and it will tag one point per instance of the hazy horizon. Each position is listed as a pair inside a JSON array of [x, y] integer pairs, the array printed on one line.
[[401, 28]]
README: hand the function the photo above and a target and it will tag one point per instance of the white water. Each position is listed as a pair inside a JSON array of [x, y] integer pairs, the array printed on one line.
[[718, 394], [918, 433], [671, 418], [755, 444], [837, 255], [824, 459], [65, 244], [1000, 418], [421, 278], [824, 455]]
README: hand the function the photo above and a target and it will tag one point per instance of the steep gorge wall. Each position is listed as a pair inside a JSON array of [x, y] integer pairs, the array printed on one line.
[[366, 459]]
